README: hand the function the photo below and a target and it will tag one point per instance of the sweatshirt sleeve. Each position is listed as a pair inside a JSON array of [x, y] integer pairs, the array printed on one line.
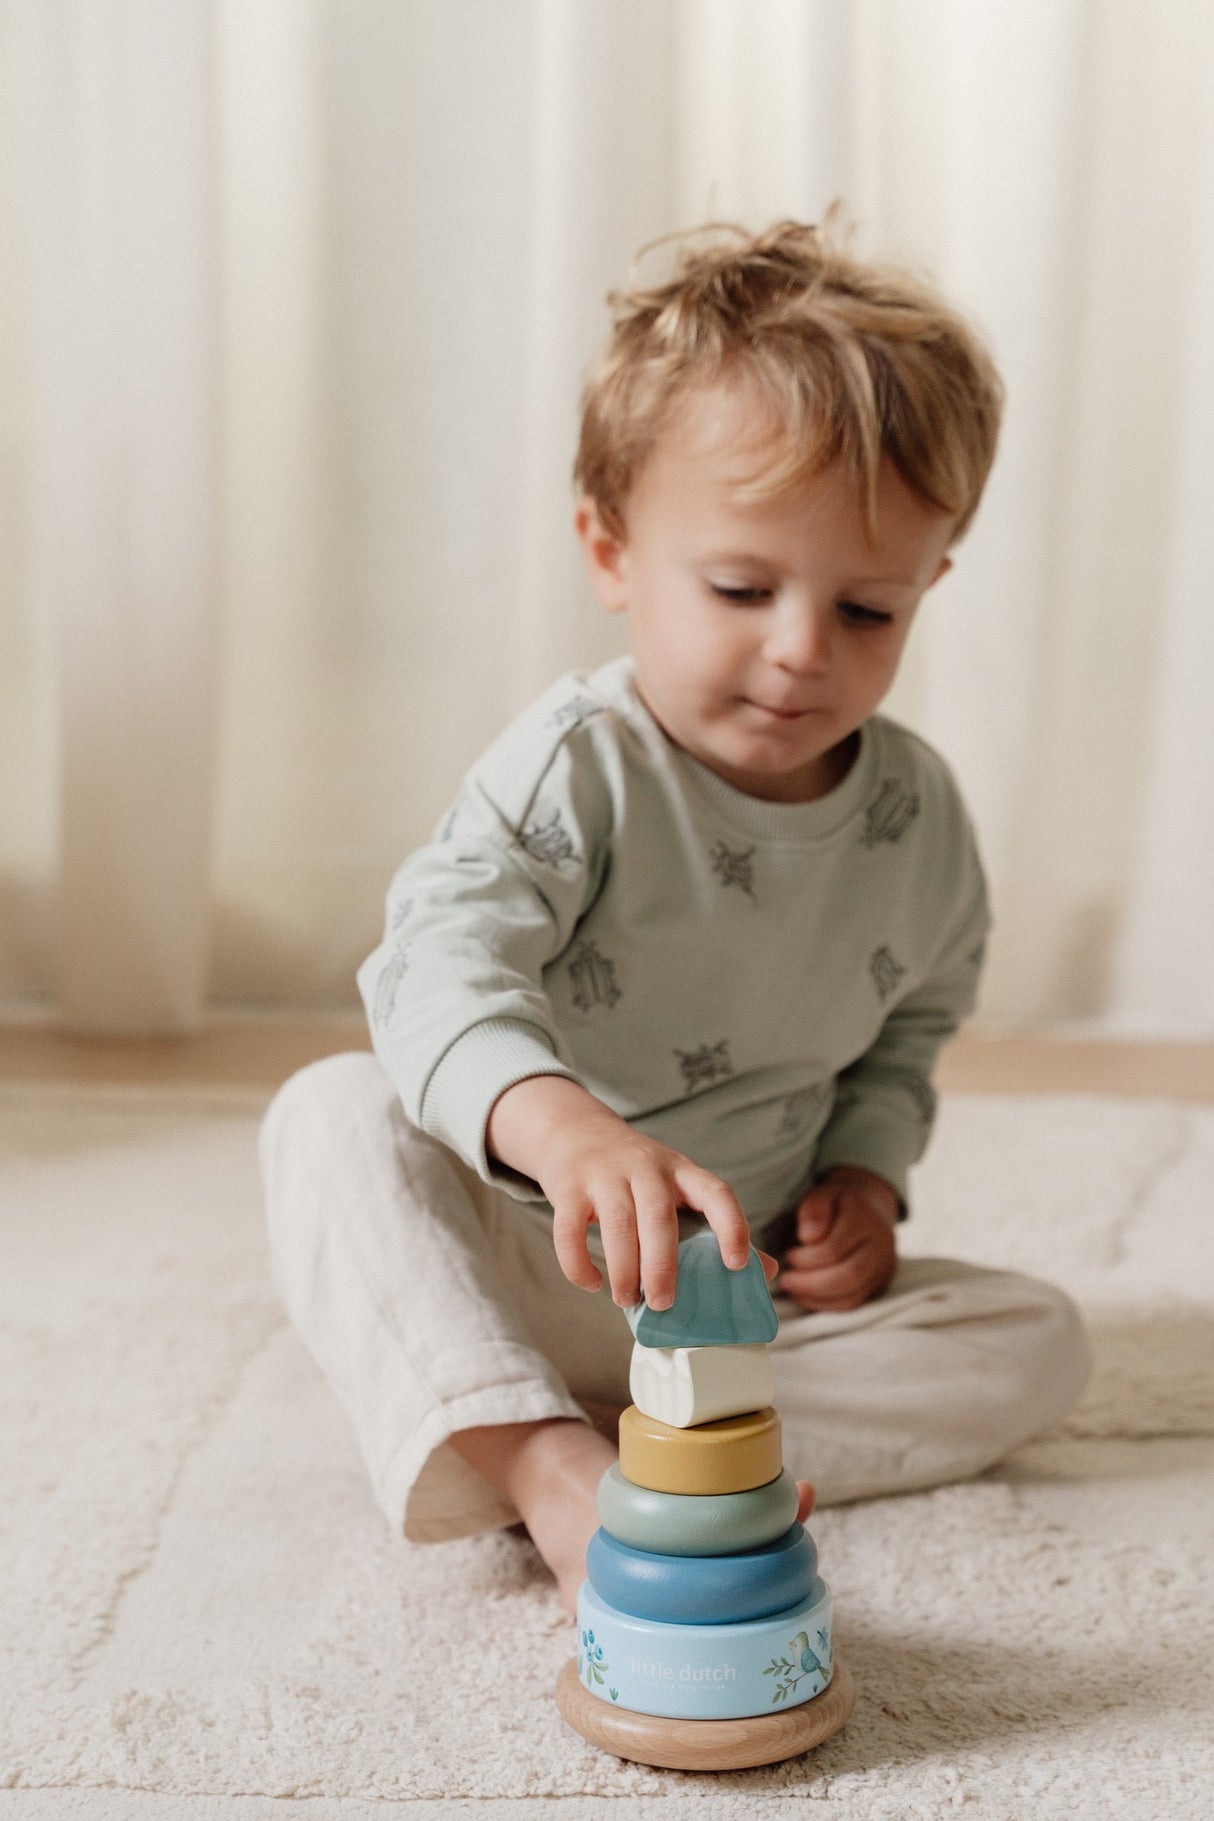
[[885, 1104], [454, 992]]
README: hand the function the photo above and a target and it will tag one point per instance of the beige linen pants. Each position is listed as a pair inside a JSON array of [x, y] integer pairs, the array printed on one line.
[[434, 1303]]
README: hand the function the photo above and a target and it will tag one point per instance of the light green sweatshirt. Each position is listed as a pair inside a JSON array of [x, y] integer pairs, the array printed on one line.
[[762, 986]]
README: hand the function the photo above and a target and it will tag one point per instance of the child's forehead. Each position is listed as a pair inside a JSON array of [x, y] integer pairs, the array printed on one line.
[[732, 463], [734, 448], [734, 455], [730, 431]]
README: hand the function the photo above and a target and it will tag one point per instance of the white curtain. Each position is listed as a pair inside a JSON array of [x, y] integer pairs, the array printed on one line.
[[295, 296]]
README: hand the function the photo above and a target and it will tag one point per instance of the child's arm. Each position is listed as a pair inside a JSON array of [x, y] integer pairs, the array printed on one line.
[[884, 1111], [455, 991], [593, 1166]]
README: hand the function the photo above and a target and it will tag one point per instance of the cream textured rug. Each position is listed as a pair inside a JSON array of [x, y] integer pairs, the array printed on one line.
[[203, 1615]]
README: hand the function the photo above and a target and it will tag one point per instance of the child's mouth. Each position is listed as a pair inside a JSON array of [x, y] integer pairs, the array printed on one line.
[[778, 714]]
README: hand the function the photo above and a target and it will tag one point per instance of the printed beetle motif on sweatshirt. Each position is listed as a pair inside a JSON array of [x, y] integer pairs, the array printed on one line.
[[890, 813], [593, 976]]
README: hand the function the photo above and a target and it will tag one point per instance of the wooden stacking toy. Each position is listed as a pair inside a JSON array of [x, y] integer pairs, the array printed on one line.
[[705, 1630]]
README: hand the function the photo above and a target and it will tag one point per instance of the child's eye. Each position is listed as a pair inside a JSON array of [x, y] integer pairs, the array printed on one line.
[[856, 615], [741, 597]]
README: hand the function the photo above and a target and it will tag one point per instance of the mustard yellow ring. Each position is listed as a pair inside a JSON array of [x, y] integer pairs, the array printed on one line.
[[735, 1454]]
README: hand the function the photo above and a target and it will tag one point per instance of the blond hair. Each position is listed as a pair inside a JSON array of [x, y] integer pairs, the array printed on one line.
[[847, 361]]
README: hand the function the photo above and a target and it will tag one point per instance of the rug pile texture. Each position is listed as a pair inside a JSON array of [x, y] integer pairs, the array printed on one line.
[[204, 1615]]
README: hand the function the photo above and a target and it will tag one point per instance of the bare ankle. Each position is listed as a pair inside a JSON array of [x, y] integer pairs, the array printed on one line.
[[550, 1472], [515, 1456]]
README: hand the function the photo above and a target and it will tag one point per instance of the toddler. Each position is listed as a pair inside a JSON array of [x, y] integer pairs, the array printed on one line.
[[685, 948]]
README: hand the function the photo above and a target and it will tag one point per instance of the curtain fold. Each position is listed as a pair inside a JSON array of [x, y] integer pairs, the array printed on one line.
[[1163, 972], [122, 453], [297, 296]]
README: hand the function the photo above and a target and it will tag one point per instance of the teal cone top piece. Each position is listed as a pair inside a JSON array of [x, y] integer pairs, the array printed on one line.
[[713, 1306]]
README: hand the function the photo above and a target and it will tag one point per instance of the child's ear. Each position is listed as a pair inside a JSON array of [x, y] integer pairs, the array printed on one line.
[[604, 554]]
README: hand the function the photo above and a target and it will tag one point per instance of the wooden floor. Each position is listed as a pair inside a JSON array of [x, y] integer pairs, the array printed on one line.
[[262, 1054]]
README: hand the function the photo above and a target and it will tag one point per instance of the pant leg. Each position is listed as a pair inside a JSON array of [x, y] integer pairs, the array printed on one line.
[[431, 1302], [933, 1381]]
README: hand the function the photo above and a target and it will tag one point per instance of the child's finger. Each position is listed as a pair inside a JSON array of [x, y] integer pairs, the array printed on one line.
[[617, 1220], [716, 1201], [657, 1220], [835, 1243], [802, 1292], [771, 1266], [809, 1258], [570, 1221], [838, 1285], [816, 1213]]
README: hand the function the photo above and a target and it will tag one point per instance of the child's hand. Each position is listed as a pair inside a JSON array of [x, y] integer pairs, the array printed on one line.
[[845, 1253], [593, 1166]]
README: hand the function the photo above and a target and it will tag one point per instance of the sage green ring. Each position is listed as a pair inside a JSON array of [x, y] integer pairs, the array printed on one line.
[[694, 1523]]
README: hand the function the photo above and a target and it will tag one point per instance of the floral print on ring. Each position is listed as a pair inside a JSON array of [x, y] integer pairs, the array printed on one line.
[[803, 1659], [592, 1667]]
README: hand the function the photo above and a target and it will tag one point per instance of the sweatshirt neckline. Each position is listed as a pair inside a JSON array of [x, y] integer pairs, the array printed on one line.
[[767, 821], [758, 817]]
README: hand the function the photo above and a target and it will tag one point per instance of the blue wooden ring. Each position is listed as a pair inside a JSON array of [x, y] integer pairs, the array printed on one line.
[[690, 1523], [703, 1589]]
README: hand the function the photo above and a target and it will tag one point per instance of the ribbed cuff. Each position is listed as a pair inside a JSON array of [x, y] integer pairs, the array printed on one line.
[[872, 1139], [480, 1066]]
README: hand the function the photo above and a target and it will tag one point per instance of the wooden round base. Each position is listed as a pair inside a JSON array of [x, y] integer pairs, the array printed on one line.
[[705, 1744]]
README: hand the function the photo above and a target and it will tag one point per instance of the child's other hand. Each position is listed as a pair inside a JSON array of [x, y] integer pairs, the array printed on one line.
[[845, 1252], [593, 1167]]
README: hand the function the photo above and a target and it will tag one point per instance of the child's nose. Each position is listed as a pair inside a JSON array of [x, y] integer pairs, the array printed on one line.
[[800, 640]]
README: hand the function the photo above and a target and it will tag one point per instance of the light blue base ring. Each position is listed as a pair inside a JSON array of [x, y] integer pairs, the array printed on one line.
[[706, 1672], [689, 1523], [703, 1589]]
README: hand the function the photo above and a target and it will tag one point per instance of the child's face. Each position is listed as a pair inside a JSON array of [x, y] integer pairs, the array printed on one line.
[[764, 631]]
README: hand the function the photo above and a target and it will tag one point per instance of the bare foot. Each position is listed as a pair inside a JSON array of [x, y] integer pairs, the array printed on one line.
[[551, 1471], [565, 1544]]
